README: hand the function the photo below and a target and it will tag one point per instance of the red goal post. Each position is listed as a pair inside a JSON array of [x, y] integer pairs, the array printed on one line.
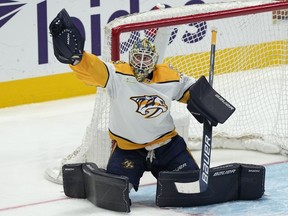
[[251, 72]]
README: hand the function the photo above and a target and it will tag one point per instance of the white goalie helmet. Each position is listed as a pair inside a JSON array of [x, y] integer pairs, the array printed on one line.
[[143, 58]]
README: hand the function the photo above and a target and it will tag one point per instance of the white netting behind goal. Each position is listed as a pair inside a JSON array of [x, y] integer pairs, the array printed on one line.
[[251, 72]]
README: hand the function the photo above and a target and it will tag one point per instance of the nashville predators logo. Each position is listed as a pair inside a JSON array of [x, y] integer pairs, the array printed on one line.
[[127, 164], [150, 106]]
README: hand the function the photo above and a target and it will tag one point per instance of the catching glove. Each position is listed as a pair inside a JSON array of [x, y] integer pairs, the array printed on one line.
[[68, 42]]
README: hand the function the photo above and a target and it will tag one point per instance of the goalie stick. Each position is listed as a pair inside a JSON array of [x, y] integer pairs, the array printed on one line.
[[207, 127], [211, 109]]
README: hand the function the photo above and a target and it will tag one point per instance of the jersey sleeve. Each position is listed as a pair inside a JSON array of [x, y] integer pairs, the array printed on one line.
[[185, 83], [92, 70]]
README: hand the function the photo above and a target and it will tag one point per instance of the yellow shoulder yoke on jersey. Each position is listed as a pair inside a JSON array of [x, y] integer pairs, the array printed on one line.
[[123, 68], [164, 73]]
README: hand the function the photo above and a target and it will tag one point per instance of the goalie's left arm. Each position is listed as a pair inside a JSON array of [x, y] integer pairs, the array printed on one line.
[[205, 102]]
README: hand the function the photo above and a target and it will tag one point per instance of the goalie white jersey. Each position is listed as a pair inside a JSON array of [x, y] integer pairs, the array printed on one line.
[[140, 111]]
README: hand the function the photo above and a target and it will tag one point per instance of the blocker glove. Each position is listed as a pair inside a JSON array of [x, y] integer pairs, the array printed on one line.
[[205, 102], [68, 42]]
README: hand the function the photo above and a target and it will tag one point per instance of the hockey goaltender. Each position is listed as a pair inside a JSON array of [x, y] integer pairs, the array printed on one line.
[[145, 139]]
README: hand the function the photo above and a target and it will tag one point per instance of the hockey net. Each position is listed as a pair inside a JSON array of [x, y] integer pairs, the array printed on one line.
[[251, 72]]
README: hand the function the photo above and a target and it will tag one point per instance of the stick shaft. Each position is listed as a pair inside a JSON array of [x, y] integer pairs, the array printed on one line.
[[207, 127], [212, 57]]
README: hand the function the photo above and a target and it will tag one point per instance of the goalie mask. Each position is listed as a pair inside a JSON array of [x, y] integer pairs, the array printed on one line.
[[143, 58]]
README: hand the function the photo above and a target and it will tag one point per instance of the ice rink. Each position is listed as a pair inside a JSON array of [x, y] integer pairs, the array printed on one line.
[[34, 136]]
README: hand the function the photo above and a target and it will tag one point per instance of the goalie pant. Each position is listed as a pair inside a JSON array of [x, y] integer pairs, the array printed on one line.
[[226, 183]]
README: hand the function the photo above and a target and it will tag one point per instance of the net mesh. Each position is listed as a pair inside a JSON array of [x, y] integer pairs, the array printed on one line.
[[251, 69]]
